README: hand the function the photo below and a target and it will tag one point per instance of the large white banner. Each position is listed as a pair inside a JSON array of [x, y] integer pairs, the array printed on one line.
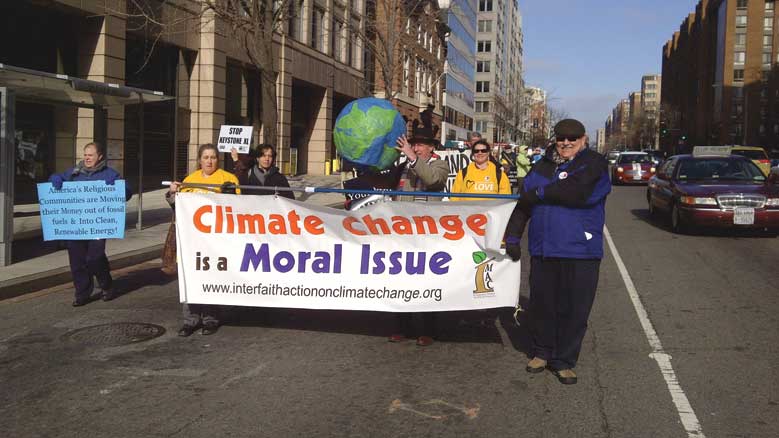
[[269, 251]]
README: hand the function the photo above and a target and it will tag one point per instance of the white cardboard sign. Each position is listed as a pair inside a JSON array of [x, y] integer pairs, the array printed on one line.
[[232, 136]]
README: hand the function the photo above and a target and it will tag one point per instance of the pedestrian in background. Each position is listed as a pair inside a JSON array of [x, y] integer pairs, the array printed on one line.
[[481, 175], [564, 198], [261, 170], [423, 171], [87, 257], [523, 165], [208, 172], [473, 137]]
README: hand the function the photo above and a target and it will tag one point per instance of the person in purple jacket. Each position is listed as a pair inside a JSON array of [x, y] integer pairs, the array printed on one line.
[[87, 257]]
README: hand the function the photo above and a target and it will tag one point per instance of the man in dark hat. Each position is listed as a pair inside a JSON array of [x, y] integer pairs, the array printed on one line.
[[564, 197], [423, 171]]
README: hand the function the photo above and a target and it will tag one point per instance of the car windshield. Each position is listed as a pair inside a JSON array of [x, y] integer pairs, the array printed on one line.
[[720, 169], [634, 158], [751, 154]]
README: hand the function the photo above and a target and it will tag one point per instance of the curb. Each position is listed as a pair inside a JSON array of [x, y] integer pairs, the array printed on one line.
[[53, 277]]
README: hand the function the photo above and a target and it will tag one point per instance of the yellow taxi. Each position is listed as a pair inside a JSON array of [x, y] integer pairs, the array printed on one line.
[[756, 154]]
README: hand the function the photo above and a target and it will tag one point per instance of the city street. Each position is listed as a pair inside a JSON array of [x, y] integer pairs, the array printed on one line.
[[711, 299]]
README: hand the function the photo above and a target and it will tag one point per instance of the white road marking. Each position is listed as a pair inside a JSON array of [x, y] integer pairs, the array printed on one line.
[[663, 359]]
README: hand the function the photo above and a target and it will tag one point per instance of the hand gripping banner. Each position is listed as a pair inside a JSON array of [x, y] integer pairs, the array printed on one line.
[[269, 251]]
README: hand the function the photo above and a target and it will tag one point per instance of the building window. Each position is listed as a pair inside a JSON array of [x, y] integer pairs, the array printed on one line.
[[741, 4], [318, 29], [769, 5], [739, 57], [484, 46], [741, 21], [485, 25], [485, 6], [482, 66], [738, 75], [482, 106], [338, 40], [767, 41], [482, 86], [768, 23], [741, 39], [481, 126], [766, 58], [296, 20]]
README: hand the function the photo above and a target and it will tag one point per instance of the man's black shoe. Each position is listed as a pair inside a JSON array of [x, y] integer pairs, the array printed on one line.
[[187, 330], [108, 295], [78, 302], [209, 329]]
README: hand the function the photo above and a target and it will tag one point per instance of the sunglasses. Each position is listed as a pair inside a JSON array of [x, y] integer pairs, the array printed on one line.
[[480, 151], [571, 139]]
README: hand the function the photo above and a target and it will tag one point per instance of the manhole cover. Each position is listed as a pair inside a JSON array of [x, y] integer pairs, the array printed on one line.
[[117, 333]]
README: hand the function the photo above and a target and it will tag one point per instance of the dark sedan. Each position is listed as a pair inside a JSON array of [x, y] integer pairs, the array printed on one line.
[[726, 191]]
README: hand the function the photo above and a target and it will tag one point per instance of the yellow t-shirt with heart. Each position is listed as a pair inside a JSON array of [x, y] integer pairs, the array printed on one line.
[[480, 181], [219, 177]]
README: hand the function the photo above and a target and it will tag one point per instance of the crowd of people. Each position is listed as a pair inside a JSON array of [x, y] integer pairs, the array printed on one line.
[[562, 191]]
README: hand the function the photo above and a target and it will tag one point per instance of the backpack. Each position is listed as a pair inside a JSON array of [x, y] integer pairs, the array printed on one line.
[[498, 171]]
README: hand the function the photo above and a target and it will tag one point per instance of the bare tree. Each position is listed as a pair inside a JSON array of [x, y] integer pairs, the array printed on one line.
[[251, 25], [389, 32]]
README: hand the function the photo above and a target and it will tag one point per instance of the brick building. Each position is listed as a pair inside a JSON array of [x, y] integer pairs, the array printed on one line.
[[317, 59], [720, 82], [419, 51]]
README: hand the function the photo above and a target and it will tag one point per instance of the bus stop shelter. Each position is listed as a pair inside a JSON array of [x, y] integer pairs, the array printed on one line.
[[18, 83]]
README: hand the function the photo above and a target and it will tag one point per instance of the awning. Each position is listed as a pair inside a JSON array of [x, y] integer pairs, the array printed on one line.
[[55, 88]]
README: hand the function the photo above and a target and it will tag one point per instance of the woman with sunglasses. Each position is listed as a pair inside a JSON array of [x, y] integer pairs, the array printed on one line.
[[481, 175]]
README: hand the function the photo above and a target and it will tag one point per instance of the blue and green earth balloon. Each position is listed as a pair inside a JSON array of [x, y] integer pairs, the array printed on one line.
[[366, 131]]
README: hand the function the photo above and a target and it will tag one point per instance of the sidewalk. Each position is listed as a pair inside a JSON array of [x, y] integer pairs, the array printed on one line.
[[38, 264]]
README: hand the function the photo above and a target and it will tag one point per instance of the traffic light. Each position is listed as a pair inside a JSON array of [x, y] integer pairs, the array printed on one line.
[[663, 129], [683, 137]]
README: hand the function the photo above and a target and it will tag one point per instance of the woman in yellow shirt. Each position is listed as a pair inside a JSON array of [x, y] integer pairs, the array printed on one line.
[[481, 175], [208, 172]]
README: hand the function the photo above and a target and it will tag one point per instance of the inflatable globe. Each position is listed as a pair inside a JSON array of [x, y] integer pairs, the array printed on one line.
[[366, 131]]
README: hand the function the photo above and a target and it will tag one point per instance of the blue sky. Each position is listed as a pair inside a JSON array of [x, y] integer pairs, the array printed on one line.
[[589, 54]]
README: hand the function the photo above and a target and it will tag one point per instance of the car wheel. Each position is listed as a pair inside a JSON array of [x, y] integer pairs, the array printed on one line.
[[652, 208], [677, 224]]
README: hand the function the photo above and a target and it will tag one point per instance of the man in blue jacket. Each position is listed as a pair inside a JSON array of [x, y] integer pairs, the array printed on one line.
[[564, 198], [87, 257]]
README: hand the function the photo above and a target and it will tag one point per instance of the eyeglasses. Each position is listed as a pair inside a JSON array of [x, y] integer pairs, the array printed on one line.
[[480, 151], [571, 139]]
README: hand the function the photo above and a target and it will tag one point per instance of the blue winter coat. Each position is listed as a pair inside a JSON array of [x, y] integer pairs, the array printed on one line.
[[101, 173], [565, 205]]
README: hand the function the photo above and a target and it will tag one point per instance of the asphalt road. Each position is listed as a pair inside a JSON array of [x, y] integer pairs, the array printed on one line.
[[711, 298]]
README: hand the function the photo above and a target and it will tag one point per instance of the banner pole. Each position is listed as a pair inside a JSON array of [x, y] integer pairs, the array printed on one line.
[[353, 191]]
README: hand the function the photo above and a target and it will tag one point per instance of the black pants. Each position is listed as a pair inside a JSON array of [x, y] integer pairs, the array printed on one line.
[[405, 324], [87, 259], [561, 295]]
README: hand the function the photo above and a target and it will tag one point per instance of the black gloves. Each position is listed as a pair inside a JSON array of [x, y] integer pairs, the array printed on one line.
[[227, 188], [529, 198], [513, 249]]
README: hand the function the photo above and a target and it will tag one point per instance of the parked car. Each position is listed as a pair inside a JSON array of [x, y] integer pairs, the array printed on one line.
[[713, 190], [612, 156], [756, 154], [656, 155], [632, 168]]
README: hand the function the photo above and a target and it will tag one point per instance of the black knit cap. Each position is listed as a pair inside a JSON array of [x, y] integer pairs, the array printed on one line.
[[569, 128]]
